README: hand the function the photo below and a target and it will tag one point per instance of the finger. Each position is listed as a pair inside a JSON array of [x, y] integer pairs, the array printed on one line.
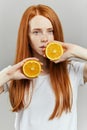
[[41, 63], [58, 61], [41, 70], [30, 58]]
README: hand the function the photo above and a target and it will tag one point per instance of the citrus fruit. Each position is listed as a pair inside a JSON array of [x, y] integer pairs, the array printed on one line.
[[54, 51], [32, 68]]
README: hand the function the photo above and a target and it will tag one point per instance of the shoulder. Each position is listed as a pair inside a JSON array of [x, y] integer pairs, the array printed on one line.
[[76, 71], [76, 66]]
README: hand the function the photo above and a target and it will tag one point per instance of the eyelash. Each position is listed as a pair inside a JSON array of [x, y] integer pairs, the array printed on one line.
[[49, 31], [35, 32]]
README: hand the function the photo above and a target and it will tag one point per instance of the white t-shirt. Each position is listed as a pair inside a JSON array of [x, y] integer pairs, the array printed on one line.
[[36, 115]]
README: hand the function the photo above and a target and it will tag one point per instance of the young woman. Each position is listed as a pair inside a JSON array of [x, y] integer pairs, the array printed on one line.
[[49, 101]]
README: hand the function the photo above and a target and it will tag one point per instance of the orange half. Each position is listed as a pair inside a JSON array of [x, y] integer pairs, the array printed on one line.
[[32, 68], [54, 51]]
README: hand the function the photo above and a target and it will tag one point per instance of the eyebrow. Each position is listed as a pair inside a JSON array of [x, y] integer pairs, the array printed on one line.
[[41, 29], [36, 29]]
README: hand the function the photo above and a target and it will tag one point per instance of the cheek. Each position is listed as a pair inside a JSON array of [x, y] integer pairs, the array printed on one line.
[[34, 44], [50, 37], [34, 39]]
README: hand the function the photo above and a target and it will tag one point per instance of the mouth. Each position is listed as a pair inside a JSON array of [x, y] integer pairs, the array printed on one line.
[[42, 46]]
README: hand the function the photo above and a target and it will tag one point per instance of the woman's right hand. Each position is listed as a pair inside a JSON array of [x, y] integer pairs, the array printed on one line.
[[15, 71]]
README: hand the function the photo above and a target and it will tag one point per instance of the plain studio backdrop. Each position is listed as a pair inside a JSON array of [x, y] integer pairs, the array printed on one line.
[[73, 15]]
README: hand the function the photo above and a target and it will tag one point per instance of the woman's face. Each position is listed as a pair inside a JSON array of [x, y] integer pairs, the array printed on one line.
[[40, 33]]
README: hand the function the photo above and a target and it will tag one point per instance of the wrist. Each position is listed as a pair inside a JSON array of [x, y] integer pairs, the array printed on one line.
[[4, 76], [5, 87]]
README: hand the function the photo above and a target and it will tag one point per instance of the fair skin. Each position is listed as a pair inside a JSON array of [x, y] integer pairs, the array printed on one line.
[[41, 33], [75, 51], [13, 73]]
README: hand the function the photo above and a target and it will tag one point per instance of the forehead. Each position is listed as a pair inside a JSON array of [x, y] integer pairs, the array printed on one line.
[[40, 21]]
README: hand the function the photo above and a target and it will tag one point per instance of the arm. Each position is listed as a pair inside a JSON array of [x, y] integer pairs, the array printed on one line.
[[4, 78], [3, 75], [9, 73], [74, 51], [12, 73]]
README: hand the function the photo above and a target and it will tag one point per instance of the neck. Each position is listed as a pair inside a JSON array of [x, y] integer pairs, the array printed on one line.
[[44, 61]]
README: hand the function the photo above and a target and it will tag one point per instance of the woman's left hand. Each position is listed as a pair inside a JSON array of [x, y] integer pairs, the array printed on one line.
[[68, 52]]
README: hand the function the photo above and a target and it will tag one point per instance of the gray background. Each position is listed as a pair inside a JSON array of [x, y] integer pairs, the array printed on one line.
[[73, 15]]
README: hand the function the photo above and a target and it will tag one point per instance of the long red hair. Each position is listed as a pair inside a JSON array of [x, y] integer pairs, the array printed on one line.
[[58, 72]]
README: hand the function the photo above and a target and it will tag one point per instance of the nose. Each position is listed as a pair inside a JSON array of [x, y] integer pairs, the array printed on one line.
[[44, 38]]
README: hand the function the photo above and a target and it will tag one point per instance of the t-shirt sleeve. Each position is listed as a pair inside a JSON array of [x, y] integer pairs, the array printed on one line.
[[78, 71]]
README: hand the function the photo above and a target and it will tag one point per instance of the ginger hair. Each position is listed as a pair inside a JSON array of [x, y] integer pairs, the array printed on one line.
[[58, 72]]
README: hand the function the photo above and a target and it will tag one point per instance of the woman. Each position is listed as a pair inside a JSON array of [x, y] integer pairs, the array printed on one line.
[[47, 102]]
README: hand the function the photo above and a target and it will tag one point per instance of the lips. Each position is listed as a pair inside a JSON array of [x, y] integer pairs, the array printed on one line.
[[42, 46]]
